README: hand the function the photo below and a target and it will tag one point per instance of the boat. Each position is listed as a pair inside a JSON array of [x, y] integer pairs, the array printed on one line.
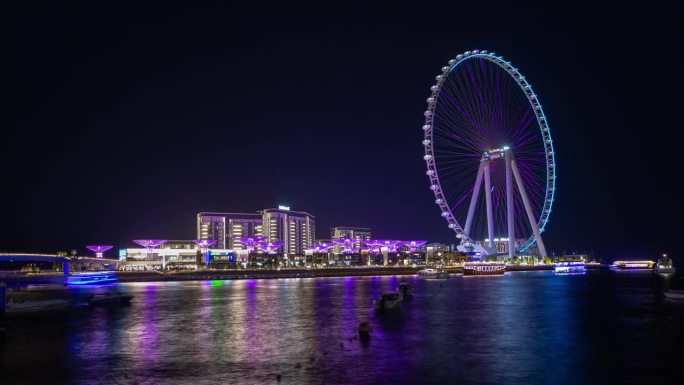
[[664, 266], [109, 299], [569, 268], [405, 289], [29, 307], [634, 265], [388, 301], [484, 268], [91, 278], [433, 274], [674, 294]]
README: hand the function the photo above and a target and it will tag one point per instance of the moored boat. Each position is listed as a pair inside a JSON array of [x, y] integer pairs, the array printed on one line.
[[674, 294], [109, 299], [634, 265], [569, 268], [484, 268], [433, 274], [405, 289], [29, 307], [388, 301], [664, 266]]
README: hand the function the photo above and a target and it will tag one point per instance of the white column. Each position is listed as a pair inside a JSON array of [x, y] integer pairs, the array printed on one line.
[[509, 206], [528, 209], [488, 200], [473, 200]]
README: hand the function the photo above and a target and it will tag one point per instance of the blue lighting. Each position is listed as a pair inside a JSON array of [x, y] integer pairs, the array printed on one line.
[[91, 278]]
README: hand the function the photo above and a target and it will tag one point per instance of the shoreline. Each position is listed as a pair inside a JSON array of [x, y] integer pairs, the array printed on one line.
[[205, 275]]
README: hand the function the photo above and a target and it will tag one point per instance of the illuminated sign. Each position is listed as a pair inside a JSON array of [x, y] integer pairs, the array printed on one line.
[[281, 207]]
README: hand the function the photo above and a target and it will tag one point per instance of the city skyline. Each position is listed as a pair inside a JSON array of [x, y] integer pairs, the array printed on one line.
[[132, 128]]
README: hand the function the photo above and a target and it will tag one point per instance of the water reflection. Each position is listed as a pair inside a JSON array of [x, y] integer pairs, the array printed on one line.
[[520, 328]]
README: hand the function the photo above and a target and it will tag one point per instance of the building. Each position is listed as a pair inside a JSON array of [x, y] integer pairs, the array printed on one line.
[[296, 229], [358, 234], [227, 228]]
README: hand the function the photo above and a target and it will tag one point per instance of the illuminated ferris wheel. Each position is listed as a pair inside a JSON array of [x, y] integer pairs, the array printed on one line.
[[485, 126]]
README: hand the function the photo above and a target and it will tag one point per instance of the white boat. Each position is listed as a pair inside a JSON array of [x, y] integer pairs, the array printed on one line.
[[569, 268], [109, 299], [388, 301], [433, 274], [484, 268], [28, 307], [674, 294], [664, 266]]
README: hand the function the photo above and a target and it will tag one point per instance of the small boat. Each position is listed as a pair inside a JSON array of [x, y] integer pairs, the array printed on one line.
[[674, 294], [664, 266], [405, 289], [484, 268], [109, 299], [28, 307], [569, 268], [433, 274], [388, 301]]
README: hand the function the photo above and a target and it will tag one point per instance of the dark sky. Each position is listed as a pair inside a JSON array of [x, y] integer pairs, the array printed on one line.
[[123, 120]]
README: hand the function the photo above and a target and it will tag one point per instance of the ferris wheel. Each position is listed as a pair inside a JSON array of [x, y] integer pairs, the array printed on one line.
[[485, 124]]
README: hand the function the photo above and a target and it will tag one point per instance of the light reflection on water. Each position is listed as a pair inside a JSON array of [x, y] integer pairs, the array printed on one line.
[[521, 328]]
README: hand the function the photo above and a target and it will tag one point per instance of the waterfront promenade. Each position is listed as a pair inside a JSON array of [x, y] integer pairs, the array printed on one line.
[[47, 277]]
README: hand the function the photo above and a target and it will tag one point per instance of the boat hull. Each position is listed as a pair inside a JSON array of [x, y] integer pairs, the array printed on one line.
[[674, 295], [472, 271]]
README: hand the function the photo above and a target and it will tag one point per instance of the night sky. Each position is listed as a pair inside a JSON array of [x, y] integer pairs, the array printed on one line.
[[123, 120]]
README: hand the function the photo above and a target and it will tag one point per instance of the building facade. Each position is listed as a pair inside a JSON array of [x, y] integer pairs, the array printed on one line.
[[296, 229], [358, 234], [228, 228]]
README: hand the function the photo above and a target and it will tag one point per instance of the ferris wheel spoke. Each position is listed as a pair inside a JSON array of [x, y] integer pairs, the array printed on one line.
[[481, 104]]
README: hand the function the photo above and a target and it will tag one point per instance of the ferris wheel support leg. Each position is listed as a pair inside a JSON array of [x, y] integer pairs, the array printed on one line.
[[528, 210], [473, 200], [488, 200], [509, 207]]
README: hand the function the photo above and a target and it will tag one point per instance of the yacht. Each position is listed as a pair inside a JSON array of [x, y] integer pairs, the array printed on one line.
[[568, 268], [388, 301], [484, 268], [664, 266], [433, 274], [633, 265]]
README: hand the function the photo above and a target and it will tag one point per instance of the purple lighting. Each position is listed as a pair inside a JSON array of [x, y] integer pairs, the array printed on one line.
[[347, 244], [321, 247], [99, 249], [149, 243], [251, 242], [204, 244], [414, 244], [270, 247], [390, 244]]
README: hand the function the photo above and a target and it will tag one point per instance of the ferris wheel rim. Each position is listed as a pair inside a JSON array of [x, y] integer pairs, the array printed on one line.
[[545, 130]]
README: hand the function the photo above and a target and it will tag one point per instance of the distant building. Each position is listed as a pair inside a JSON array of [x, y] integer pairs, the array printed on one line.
[[296, 229], [227, 228], [179, 244], [501, 244], [358, 234]]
